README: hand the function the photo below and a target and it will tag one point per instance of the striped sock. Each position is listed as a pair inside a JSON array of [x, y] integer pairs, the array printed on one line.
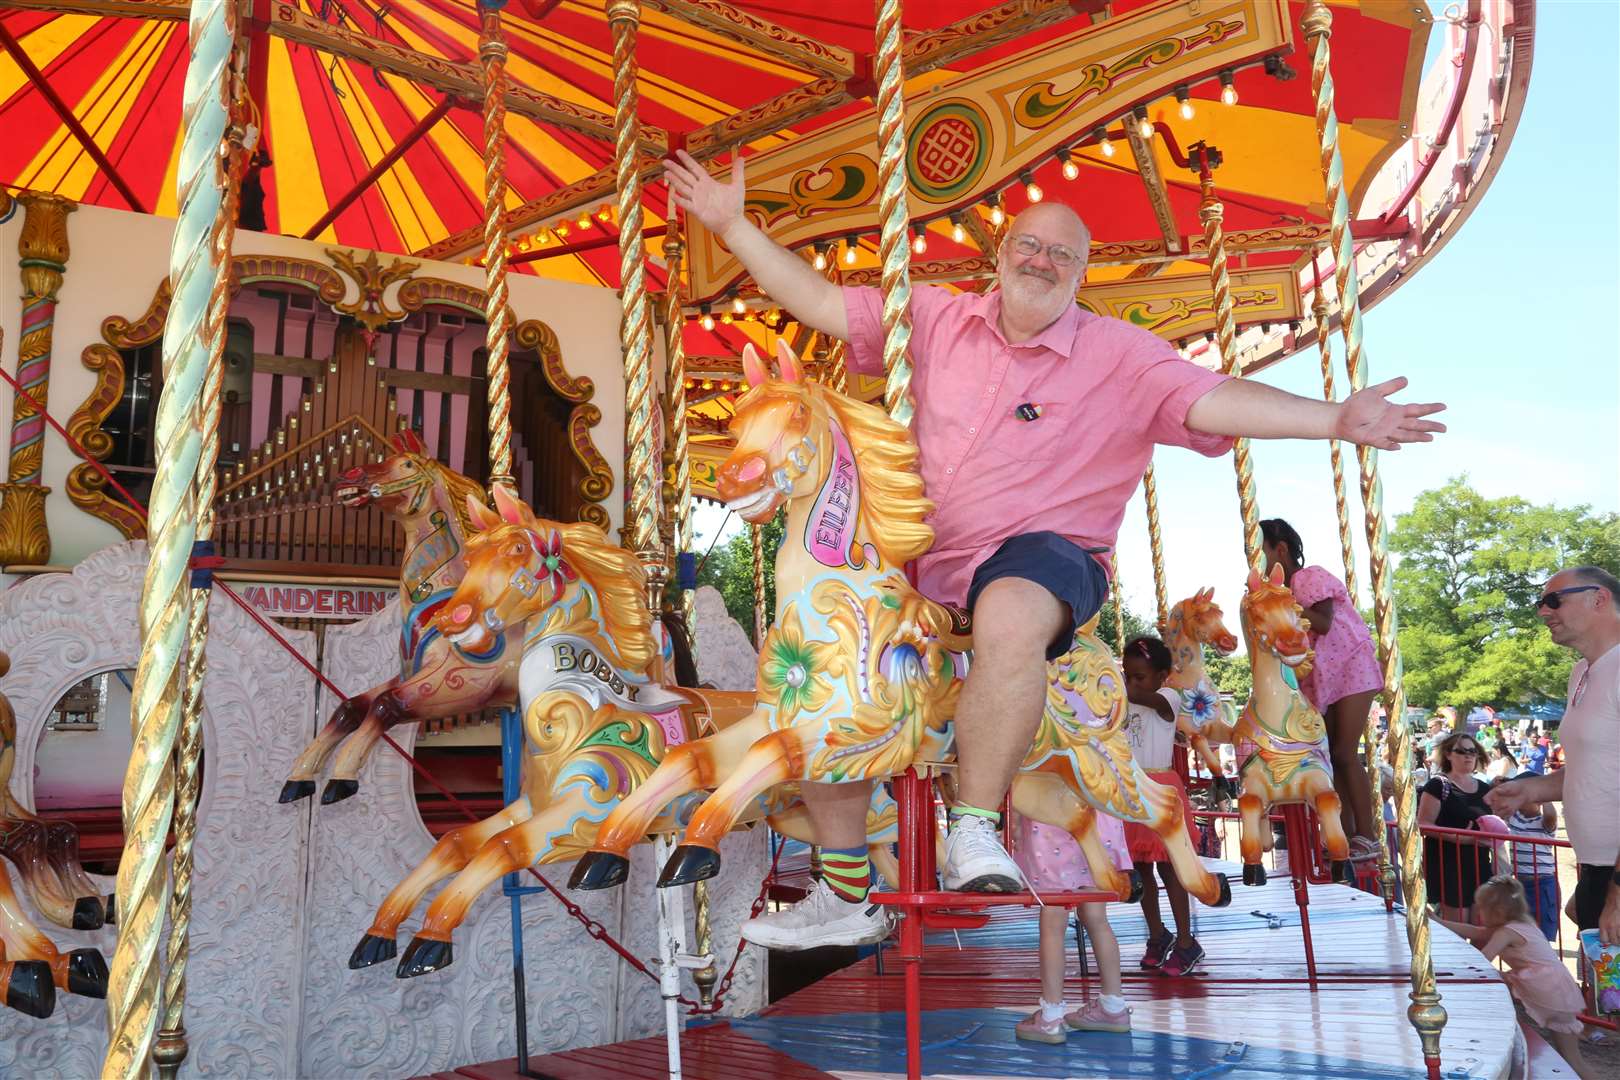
[[848, 872]]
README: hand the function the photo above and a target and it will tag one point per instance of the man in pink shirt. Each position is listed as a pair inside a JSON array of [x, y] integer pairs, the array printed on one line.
[[1035, 421]]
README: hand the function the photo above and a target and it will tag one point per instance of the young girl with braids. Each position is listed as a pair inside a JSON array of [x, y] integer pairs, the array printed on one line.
[[1343, 680]]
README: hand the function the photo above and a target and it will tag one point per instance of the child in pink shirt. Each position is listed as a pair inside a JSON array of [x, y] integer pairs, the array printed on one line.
[[1343, 680]]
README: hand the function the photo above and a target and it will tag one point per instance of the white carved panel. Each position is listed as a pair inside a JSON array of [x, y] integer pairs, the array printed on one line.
[[725, 657], [245, 975]]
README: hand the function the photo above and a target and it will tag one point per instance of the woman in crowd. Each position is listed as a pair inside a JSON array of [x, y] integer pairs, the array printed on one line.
[[1454, 798]]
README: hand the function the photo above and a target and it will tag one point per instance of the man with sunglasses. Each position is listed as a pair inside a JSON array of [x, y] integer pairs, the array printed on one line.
[[1035, 420], [1581, 607]]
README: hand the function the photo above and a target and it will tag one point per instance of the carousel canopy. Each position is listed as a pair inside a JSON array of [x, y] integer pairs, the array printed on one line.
[[371, 133]]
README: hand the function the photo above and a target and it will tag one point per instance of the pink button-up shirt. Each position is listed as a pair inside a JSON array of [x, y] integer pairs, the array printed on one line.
[[1107, 391]]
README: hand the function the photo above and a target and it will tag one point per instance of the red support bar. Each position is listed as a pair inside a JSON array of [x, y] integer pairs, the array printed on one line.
[[411, 138], [37, 77]]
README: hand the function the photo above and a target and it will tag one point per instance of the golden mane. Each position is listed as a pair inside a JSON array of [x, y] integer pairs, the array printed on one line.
[[620, 583], [456, 487], [893, 507]]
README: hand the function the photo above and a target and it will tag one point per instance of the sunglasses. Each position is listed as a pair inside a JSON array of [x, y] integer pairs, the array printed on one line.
[[1474, 750], [1555, 599]]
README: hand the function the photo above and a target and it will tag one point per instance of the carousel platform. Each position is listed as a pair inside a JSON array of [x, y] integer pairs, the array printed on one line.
[[1250, 1009]]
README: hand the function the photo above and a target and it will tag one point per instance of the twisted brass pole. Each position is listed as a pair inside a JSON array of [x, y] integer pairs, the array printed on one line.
[[1161, 593], [756, 535], [198, 266], [1426, 1013], [641, 459], [497, 304], [1119, 610], [836, 371], [1375, 778], [1211, 212], [675, 353], [893, 213], [172, 1047]]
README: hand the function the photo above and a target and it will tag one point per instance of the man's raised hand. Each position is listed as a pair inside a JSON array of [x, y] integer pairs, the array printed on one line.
[[715, 204]]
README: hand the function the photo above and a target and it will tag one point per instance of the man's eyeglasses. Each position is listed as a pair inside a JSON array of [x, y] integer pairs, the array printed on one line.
[[1555, 599], [1029, 247]]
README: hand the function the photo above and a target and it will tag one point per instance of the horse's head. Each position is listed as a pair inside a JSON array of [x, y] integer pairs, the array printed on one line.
[[1201, 619], [779, 428], [1273, 621], [515, 567], [400, 484]]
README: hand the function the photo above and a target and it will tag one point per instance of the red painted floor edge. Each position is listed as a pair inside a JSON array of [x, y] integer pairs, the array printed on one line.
[[715, 1052]]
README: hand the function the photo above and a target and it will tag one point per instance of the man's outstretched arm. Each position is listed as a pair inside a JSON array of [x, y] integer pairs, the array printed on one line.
[[1254, 410]]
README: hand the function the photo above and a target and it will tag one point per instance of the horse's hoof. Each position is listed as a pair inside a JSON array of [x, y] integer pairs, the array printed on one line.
[[1136, 887], [338, 790], [690, 863], [88, 914], [30, 989], [372, 950], [1225, 899], [87, 973], [422, 956], [110, 908], [1254, 874], [293, 790], [599, 870], [1341, 871]]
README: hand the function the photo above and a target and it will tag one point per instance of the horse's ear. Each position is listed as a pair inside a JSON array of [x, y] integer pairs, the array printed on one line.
[[482, 516], [1255, 580], [753, 366], [1206, 593], [406, 441], [788, 361], [1276, 576], [507, 505]]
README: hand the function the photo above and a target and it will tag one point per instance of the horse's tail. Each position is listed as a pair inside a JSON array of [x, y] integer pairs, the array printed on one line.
[[680, 641]]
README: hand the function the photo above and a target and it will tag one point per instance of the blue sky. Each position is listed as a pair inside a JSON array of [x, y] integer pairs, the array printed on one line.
[[1512, 324]]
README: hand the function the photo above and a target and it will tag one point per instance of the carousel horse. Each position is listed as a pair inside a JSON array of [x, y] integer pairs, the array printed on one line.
[[858, 678], [597, 718], [1194, 623], [45, 852], [1281, 741], [436, 678]]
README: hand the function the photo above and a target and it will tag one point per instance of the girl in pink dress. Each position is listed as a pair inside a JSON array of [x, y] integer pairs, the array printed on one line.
[[1052, 862], [1536, 978], [1343, 680]]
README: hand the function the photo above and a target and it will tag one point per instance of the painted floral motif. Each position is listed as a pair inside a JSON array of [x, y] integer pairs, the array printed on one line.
[[1201, 704], [793, 673], [552, 568]]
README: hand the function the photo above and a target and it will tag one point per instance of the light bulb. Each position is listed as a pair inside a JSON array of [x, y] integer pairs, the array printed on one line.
[[1144, 126], [727, 319], [1107, 147], [996, 216], [821, 258], [707, 322], [737, 305], [1033, 192], [1186, 109], [585, 219], [562, 229], [919, 242], [849, 252], [1228, 91], [958, 233], [1071, 171], [606, 213]]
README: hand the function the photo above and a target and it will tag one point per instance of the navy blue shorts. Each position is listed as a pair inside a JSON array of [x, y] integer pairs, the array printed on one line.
[[1057, 565]]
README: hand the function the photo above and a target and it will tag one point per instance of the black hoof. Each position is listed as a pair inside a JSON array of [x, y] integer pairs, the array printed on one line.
[[372, 950], [1225, 899], [599, 870], [690, 863], [87, 973], [1254, 874], [338, 790], [88, 914], [293, 790], [422, 956], [110, 908], [1136, 887], [31, 990], [1342, 872]]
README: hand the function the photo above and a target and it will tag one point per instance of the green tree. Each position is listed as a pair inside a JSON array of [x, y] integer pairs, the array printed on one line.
[[730, 569], [1231, 674], [1469, 571], [1135, 625]]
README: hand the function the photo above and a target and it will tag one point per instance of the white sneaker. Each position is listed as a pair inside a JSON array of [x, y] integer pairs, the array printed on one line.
[[975, 861], [821, 918]]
